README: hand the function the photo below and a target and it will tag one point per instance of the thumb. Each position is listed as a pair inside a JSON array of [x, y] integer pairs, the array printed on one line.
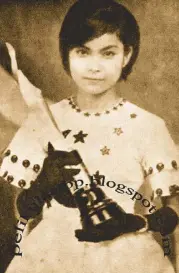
[[30, 93], [12, 55], [68, 174]]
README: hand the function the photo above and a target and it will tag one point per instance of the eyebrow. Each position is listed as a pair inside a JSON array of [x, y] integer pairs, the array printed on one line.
[[109, 47], [102, 49]]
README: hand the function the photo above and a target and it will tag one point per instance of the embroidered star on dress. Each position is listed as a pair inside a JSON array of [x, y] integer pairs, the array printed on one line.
[[133, 115], [105, 150], [118, 131], [80, 137], [86, 114]]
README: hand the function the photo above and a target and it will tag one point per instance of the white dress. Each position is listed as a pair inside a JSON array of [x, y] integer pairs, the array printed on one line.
[[130, 147]]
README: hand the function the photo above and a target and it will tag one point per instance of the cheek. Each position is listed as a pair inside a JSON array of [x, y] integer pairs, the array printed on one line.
[[77, 66], [114, 69]]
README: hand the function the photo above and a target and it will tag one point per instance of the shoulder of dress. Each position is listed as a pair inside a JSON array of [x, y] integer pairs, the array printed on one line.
[[61, 105], [145, 117]]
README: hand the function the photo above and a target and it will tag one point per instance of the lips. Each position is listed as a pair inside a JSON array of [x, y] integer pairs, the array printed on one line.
[[93, 79]]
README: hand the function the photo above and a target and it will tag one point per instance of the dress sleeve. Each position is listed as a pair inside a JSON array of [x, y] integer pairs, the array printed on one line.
[[23, 158], [160, 160]]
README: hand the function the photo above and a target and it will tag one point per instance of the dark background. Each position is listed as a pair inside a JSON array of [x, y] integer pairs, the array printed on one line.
[[32, 28]]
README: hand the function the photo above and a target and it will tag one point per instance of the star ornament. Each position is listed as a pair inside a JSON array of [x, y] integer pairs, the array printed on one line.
[[80, 137], [98, 177], [66, 132], [87, 114], [105, 150], [118, 131], [133, 115]]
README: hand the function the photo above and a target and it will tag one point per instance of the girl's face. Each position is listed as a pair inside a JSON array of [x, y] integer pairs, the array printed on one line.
[[97, 65]]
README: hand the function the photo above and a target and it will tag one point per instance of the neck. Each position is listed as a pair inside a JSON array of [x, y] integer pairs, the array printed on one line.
[[99, 102]]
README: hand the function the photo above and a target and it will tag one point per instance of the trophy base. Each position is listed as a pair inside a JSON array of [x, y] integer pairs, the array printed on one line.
[[101, 218], [101, 223], [102, 232]]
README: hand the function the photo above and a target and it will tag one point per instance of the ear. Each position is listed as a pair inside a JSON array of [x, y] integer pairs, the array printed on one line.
[[127, 55], [50, 148]]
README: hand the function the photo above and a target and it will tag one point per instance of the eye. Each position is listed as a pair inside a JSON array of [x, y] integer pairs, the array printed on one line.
[[109, 54], [82, 52]]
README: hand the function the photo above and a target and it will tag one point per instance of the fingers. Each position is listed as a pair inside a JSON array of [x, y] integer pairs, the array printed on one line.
[[67, 158], [67, 174], [74, 158]]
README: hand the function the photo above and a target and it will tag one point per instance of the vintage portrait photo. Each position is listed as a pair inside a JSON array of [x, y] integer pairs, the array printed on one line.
[[89, 136]]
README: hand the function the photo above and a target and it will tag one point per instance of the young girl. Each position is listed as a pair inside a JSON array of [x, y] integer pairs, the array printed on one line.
[[118, 141]]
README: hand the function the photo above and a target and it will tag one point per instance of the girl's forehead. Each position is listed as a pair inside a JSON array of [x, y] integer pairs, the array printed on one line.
[[104, 41]]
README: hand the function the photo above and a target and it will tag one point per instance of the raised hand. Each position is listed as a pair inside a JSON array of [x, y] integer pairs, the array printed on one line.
[[13, 61]]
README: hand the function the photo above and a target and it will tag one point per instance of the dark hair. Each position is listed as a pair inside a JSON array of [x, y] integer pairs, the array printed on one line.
[[89, 19], [5, 60]]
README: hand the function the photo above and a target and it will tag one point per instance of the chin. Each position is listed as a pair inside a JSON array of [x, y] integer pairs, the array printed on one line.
[[94, 90]]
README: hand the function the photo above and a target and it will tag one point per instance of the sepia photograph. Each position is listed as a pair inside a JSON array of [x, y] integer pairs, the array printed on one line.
[[89, 136]]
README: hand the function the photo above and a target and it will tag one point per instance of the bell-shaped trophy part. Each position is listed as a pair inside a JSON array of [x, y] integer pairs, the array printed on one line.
[[100, 215]]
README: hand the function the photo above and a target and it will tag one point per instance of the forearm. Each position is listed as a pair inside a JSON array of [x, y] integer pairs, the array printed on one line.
[[175, 248], [173, 202], [30, 201]]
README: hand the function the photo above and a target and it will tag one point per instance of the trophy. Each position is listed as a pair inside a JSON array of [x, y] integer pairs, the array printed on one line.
[[100, 215]]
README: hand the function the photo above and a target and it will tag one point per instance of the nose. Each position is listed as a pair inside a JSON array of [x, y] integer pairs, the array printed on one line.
[[94, 65]]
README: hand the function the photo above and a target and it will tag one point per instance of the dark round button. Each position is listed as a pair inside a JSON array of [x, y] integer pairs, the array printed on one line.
[[174, 189], [159, 192], [160, 166], [36, 168], [174, 164], [22, 183], [5, 174], [7, 153], [14, 158], [10, 178], [26, 163], [150, 170], [31, 182]]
